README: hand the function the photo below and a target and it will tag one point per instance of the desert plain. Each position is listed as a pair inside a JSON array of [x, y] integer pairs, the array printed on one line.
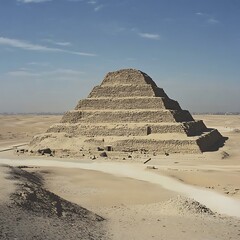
[[179, 196]]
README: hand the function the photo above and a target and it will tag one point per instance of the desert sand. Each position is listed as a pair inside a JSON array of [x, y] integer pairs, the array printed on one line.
[[120, 199]]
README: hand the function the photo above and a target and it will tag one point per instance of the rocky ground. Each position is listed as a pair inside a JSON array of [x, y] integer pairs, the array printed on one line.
[[36, 213]]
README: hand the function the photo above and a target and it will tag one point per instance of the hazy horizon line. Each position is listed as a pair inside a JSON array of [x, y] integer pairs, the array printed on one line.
[[61, 113]]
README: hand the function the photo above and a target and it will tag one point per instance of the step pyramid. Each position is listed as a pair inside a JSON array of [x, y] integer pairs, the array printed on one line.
[[128, 112]]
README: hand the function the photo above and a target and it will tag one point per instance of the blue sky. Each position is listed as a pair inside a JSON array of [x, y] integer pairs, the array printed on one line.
[[52, 52]]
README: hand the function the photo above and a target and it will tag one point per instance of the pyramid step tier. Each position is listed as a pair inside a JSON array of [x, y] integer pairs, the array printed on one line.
[[158, 143], [114, 91], [128, 103], [141, 129], [118, 116], [166, 143]]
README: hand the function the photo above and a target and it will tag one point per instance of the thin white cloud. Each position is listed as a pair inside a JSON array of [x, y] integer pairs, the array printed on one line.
[[199, 13], [22, 73], [35, 47], [64, 72], [64, 44], [53, 74], [23, 44], [33, 1], [208, 18], [97, 8], [92, 2], [212, 21], [41, 64], [150, 36]]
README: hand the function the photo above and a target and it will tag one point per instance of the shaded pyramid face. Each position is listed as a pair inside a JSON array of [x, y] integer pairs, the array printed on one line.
[[128, 112]]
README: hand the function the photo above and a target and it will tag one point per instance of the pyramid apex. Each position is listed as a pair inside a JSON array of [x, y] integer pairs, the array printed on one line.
[[128, 76]]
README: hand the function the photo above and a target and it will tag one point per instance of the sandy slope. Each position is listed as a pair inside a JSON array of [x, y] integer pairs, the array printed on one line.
[[136, 209], [6, 187], [32, 212], [17, 129]]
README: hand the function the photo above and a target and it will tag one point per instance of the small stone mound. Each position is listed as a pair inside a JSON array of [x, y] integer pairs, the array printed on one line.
[[45, 151], [225, 155], [103, 154], [236, 130], [187, 205], [196, 207]]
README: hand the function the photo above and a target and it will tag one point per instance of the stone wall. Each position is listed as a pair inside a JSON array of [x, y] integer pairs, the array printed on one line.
[[117, 129], [150, 145], [210, 141], [126, 91], [148, 116], [190, 128], [158, 146], [182, 116], [127, 103], [194, 128]]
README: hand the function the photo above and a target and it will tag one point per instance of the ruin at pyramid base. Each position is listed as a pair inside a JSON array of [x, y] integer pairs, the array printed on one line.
[[127, 113]]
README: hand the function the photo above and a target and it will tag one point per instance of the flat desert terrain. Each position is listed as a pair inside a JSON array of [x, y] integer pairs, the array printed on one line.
[[180, 196]]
